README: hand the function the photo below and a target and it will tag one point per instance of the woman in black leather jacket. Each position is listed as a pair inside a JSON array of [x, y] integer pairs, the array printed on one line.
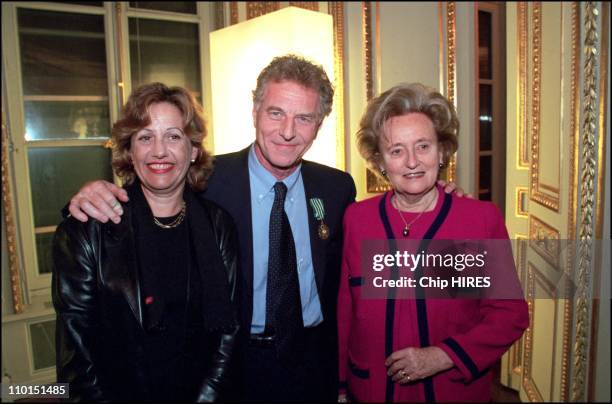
[[145, 308]]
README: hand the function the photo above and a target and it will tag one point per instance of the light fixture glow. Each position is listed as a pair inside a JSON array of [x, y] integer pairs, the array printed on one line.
[[239, 52]]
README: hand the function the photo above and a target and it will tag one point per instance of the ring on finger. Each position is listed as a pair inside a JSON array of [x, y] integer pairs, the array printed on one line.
[[402, 374]]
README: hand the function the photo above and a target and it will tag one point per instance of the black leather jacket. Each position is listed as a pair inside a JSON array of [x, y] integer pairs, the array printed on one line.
[[96, 294]]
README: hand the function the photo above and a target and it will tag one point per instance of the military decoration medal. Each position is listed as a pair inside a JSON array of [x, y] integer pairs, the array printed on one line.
[[319, 214]]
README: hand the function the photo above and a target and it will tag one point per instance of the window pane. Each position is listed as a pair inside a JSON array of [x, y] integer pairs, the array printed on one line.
[[485, 57], [42, 339], [56, 174], [83, 3], [62, 53], [175, 6], [44, 242], [64, 120], [164, 51], [484, 174], [485, 97]]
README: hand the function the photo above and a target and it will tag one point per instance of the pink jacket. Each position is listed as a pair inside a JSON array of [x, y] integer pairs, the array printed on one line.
[[474, 333]]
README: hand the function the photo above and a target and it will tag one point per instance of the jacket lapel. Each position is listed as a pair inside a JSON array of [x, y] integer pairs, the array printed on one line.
[[239, 205], [120, 271], [317, 245]]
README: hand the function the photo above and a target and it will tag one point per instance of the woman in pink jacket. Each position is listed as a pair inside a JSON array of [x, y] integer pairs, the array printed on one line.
[[417, 349]]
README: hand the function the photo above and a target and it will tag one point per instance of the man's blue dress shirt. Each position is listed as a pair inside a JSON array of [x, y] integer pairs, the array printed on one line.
[[262, 198]]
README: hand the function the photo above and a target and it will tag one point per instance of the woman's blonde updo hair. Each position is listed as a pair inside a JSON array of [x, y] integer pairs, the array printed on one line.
[[401, 100], [136, 116]]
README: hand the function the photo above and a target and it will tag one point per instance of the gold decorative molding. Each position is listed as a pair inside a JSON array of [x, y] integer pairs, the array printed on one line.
[[587, 199], [533, 276], [366, 35], [574, 149], [551, 202], [308, 5], [599, 210], [545, 240], [523, 140], [603, 89], [451, 71], [522, 199], [516, 363], [373, 182], [528, 384], [336, 9], [233, 12], [11, 230], [257, 8]]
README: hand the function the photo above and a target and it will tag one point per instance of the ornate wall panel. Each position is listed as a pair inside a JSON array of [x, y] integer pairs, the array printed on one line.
[[451, 72], [523, 138], [374, 183], [548, 126], [547, 101], [594, 21], [542, 332], [545, 240]]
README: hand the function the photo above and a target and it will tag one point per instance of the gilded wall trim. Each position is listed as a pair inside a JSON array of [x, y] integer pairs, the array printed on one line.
[[451, 71], [530, 389], [544, 239], [308, 5], [366, 37], [336, 9], [11, 229], [549, 201], [523, 140], [516, 363], [533, 275], [574, 147], [599, 211], [257, 8], [373, 182], [233, 12], [603, 89], [587, 199]]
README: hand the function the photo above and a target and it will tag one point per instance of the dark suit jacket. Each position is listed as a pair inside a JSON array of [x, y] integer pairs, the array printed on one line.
[[229, 187]]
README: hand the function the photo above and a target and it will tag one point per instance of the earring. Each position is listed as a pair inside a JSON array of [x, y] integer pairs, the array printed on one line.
[[192, 161], [383, 172], [440, 165]]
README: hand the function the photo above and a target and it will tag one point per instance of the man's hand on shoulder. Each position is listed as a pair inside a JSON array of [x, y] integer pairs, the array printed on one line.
[[452, 187], [99, 200]]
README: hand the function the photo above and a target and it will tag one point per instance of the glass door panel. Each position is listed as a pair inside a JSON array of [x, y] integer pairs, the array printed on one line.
[[65, 99], [189, 7], [53, 181], [165, 51], [62, 53]]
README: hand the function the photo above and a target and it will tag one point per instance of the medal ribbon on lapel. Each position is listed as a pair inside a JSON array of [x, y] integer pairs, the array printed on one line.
[[318, 210]]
